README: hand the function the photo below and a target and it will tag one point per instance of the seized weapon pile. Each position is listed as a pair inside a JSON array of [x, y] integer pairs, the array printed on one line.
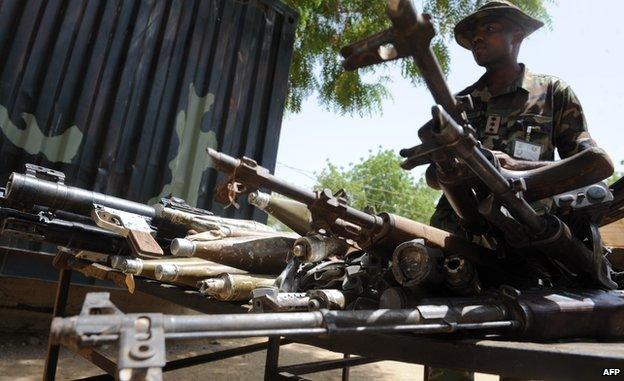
[[105, 236], [355, 271]]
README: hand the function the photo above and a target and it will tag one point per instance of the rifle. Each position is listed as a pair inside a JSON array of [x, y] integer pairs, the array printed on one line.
[[45, 227], [545, 315], [450, 145], [378, 233]]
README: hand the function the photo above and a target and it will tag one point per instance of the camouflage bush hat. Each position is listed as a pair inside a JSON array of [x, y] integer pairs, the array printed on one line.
[[496, 8]]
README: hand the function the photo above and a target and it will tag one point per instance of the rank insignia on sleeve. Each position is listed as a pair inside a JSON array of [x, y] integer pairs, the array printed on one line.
[[493, 124]]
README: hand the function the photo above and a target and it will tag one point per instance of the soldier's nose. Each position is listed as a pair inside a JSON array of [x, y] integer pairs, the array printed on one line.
[[477, 39]]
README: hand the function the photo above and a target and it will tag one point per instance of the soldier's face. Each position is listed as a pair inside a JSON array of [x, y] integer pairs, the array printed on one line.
[[493, 41]]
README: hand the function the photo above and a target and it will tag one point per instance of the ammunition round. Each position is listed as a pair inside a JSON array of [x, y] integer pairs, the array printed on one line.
[[127, 265], [259, 199], [182, 247], [213, 286], [166, 272]]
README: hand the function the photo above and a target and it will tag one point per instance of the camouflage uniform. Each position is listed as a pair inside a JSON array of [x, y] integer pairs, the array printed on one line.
[[538, 112]]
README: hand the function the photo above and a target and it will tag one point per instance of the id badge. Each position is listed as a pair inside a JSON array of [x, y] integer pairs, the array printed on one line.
[[526, 151]]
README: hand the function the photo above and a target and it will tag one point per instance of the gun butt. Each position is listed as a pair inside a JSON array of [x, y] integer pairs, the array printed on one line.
[[584, 168]]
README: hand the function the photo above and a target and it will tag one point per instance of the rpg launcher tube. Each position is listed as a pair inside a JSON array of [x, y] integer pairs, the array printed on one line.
[[202, 223], [29, 189], [461, 276], [291, 213], [234, 287], [414, 264], [147, 267], [258, 254], [189, 275], [316, 247]]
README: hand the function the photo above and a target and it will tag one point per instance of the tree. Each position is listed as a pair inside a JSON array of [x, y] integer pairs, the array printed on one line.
[[327, 25], [616, 175], [379, 182]]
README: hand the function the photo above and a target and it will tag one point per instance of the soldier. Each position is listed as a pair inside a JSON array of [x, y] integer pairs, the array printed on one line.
[[519, 115]]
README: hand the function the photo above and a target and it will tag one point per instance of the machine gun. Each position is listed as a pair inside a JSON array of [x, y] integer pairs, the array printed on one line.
[[38, 206], [463, 169]]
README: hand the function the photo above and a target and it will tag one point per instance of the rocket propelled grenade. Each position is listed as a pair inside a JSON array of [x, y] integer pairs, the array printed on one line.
[[202, 223], [257, 254], [291, 213], [147, 267], [234, 287], [189, 275]]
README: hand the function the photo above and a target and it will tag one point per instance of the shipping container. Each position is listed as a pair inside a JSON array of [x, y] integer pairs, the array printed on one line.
[[124, 96]]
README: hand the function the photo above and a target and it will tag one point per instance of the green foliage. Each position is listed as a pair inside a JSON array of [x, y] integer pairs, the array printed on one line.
[[616, 175], [327, 25], [378, 181]]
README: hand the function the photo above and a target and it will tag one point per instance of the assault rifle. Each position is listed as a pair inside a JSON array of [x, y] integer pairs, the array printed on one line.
[[545, 315], [463, 169]]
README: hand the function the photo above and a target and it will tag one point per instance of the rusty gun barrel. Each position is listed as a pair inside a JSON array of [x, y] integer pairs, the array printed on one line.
[[382, 232]]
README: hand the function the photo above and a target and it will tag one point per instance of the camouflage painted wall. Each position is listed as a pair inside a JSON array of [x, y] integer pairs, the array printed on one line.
[[125, 95]]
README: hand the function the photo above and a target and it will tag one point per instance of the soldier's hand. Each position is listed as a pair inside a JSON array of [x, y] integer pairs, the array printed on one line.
[[507, 161]]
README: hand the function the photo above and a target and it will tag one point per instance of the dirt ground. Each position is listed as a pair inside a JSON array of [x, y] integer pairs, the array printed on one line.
[[22, 357], [25, 315]]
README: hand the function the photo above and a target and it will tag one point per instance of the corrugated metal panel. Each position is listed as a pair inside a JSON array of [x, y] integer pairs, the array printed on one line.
[[124, 96]]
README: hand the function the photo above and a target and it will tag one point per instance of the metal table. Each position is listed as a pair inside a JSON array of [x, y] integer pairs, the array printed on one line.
[[512, 360]]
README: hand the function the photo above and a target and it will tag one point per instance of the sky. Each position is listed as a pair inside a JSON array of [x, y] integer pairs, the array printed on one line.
[[585, 48]]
